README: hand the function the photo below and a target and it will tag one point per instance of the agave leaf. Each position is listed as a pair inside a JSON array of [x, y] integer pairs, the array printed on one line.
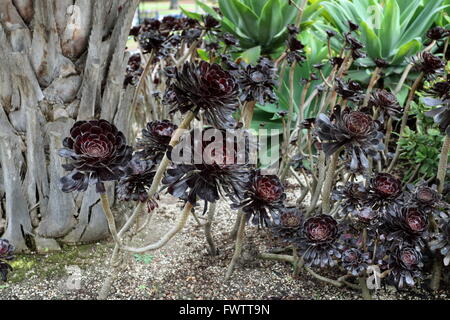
[[248, 20], [423, 21], [192, 15], [229, 11], [373, 44], [208, 10], [251, 55], [408, 49], [390, 28], [407, 8], [255, 5], [338, 15], [270, 22]]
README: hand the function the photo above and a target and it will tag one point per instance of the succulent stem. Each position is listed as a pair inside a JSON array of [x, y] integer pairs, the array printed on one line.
[[328, 183], [109, 217], [169, 235], [405, 118], [237, 248], [212, 247], [443, 161], [365, 291], [372, 83]]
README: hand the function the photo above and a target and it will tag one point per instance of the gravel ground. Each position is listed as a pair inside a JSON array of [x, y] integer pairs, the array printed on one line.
[[182, 269]]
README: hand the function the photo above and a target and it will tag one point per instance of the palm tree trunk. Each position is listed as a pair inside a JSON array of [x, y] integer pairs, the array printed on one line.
[[62, 61]]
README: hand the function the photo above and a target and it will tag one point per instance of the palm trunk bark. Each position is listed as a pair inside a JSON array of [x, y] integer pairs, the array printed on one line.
[[62, 61]]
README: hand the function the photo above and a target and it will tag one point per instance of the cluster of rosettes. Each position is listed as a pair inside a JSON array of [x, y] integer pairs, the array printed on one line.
[[6, 254], [355, 131], [134, 70], [163, 37], [98, 152], [391, 224]]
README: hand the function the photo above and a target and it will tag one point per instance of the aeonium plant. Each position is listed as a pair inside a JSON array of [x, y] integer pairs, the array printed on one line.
[[6, 254], [374, 221]]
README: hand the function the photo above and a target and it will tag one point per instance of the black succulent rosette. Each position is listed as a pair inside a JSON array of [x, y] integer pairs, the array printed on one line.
[[385, 190], [441, 240], [429, 64], [318, 241], [428, 199], [151, 40], [351, 43], [97, 151], [355, 261], [381, 63], [216, 175], [438, 33], [205, 86], [353, 130], [441, 90], [6, 254], [155, 139], [350, 90], [134, 70], [352, 196], [407, 226], [262, 200], [441, 114], [229, 39], [405, 264], [136, 180], [336, 62], [210, 23], [287, 223], [294, 47], [257, 82], [386, 103]]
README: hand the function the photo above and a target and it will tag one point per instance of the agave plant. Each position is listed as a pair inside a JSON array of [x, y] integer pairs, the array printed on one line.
[[260, 23], [392, 29]]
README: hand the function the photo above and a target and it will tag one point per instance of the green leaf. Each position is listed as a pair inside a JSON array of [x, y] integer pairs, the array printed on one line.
[[208, 10], [390, 28], [371, 40], [192, 15], [422, 22], [251, 55], [229, 11], [248, 20], [406, 50], [270, 23], [203, 54]]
